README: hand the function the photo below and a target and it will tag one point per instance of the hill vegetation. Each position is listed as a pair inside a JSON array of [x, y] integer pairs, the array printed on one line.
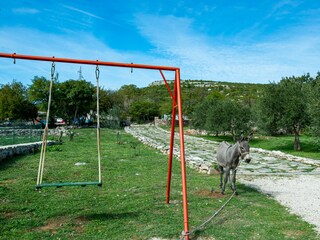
[[289, 106]]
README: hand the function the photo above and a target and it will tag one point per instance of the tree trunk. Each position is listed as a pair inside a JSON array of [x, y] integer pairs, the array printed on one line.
[[297, 145], [75, 114]]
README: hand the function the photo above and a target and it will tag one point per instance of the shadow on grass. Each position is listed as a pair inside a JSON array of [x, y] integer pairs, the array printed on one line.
[[110, 216], [246, 189], [9, 162]]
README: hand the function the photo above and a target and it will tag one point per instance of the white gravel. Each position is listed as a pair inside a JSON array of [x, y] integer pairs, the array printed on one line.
[[300, 194]]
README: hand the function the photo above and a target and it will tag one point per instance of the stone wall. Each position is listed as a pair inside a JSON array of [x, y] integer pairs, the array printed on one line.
[[20, 132], [161, 122], [158, 138], [19, 149]]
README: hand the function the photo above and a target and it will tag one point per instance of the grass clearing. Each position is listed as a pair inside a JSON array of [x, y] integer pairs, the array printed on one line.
[[310, 145], [18, 133], [131, 202]]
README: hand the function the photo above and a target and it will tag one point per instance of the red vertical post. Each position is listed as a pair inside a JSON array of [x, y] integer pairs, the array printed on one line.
[[173, 118], [182, 158]]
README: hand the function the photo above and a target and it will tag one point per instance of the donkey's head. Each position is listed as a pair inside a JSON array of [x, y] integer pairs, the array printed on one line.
[[244, 149]]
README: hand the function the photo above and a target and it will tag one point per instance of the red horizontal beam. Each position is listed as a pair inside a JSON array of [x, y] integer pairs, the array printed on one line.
[[90, 62]]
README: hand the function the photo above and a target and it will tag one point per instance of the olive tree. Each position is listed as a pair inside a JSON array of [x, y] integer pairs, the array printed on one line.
[[313, 104], [269, 109], [284, 106], [218, 114], [295, 116]]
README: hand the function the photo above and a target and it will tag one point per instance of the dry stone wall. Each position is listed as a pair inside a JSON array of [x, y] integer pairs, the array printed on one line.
[[19, 149]]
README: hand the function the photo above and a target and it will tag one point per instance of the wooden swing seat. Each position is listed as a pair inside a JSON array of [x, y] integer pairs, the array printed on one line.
[[64, 184]]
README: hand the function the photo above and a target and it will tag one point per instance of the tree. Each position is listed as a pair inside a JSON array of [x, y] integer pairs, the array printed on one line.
[[144, 111], [160, 95], [128, 94], [269, 110], [218, 114], [313, 104], [38, 93], [14, 104], [295, 116], [75, 98], [113, 118], [108, 99], [284, 106], [27, 111], [215, 119], [199, 115], [238, 117], [192, 95]]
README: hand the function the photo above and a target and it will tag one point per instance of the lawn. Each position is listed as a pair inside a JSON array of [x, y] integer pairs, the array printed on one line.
[[310, 145], [131, 202], [10, 136]]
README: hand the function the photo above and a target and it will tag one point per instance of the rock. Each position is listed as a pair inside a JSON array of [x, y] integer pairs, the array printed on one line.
[[20, 149], [212, 171]]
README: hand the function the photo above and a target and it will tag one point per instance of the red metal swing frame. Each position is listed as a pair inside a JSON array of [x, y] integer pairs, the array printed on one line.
[[176, 104]]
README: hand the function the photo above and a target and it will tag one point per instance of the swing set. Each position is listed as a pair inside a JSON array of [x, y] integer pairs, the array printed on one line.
[[40, 185], [176, 107]]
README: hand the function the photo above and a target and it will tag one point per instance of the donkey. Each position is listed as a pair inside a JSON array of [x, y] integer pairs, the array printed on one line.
[[228, 158]]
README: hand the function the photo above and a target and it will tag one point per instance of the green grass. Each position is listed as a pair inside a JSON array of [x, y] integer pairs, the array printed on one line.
[[310, 145], [9, 140], [18, 134], [131, 202]]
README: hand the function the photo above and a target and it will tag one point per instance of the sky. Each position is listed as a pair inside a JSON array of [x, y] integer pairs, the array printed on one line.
[[244, 41]]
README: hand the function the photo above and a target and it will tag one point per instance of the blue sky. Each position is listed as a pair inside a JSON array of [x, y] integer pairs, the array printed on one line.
[[235, 41]]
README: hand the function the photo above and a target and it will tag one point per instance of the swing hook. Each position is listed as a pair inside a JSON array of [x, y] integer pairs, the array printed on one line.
[[132, 68], [53, 69], [14, 58], [97, 72]]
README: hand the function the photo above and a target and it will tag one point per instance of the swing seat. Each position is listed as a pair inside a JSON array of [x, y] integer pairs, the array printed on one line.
[[40, 185], [67, 184]]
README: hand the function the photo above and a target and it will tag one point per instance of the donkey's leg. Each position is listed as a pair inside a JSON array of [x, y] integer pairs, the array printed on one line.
[[234, 188], [221, 176], [229, 180], [226, 177]]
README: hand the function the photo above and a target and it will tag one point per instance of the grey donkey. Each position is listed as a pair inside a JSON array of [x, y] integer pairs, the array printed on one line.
[[228, 158]]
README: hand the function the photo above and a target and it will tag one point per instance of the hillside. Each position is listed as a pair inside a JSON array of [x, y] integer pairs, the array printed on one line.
[[231, 89], [194, 91]]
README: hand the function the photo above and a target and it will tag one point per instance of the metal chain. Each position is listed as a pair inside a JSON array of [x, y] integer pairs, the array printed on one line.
[[97, 72], [53, 69]]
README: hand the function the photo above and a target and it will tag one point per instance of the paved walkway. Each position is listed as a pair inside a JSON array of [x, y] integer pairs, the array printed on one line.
[[293, 181]]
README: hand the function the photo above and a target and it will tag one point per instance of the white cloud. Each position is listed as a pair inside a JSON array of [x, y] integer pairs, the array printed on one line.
[[83, 12], [33, 42], [203, 58], [176, 43], [25, 11]]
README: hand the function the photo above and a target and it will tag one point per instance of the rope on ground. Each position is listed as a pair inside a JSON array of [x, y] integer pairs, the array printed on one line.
[[184, 234]]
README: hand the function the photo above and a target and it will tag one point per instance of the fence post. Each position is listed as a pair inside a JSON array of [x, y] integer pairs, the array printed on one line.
[[13, 133]]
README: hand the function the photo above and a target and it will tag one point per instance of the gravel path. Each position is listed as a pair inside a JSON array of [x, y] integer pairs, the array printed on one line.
[[299, 193], [293, 181]]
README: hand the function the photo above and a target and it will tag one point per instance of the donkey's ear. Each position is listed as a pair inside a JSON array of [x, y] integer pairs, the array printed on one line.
[[241, 138], [250, 136]]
